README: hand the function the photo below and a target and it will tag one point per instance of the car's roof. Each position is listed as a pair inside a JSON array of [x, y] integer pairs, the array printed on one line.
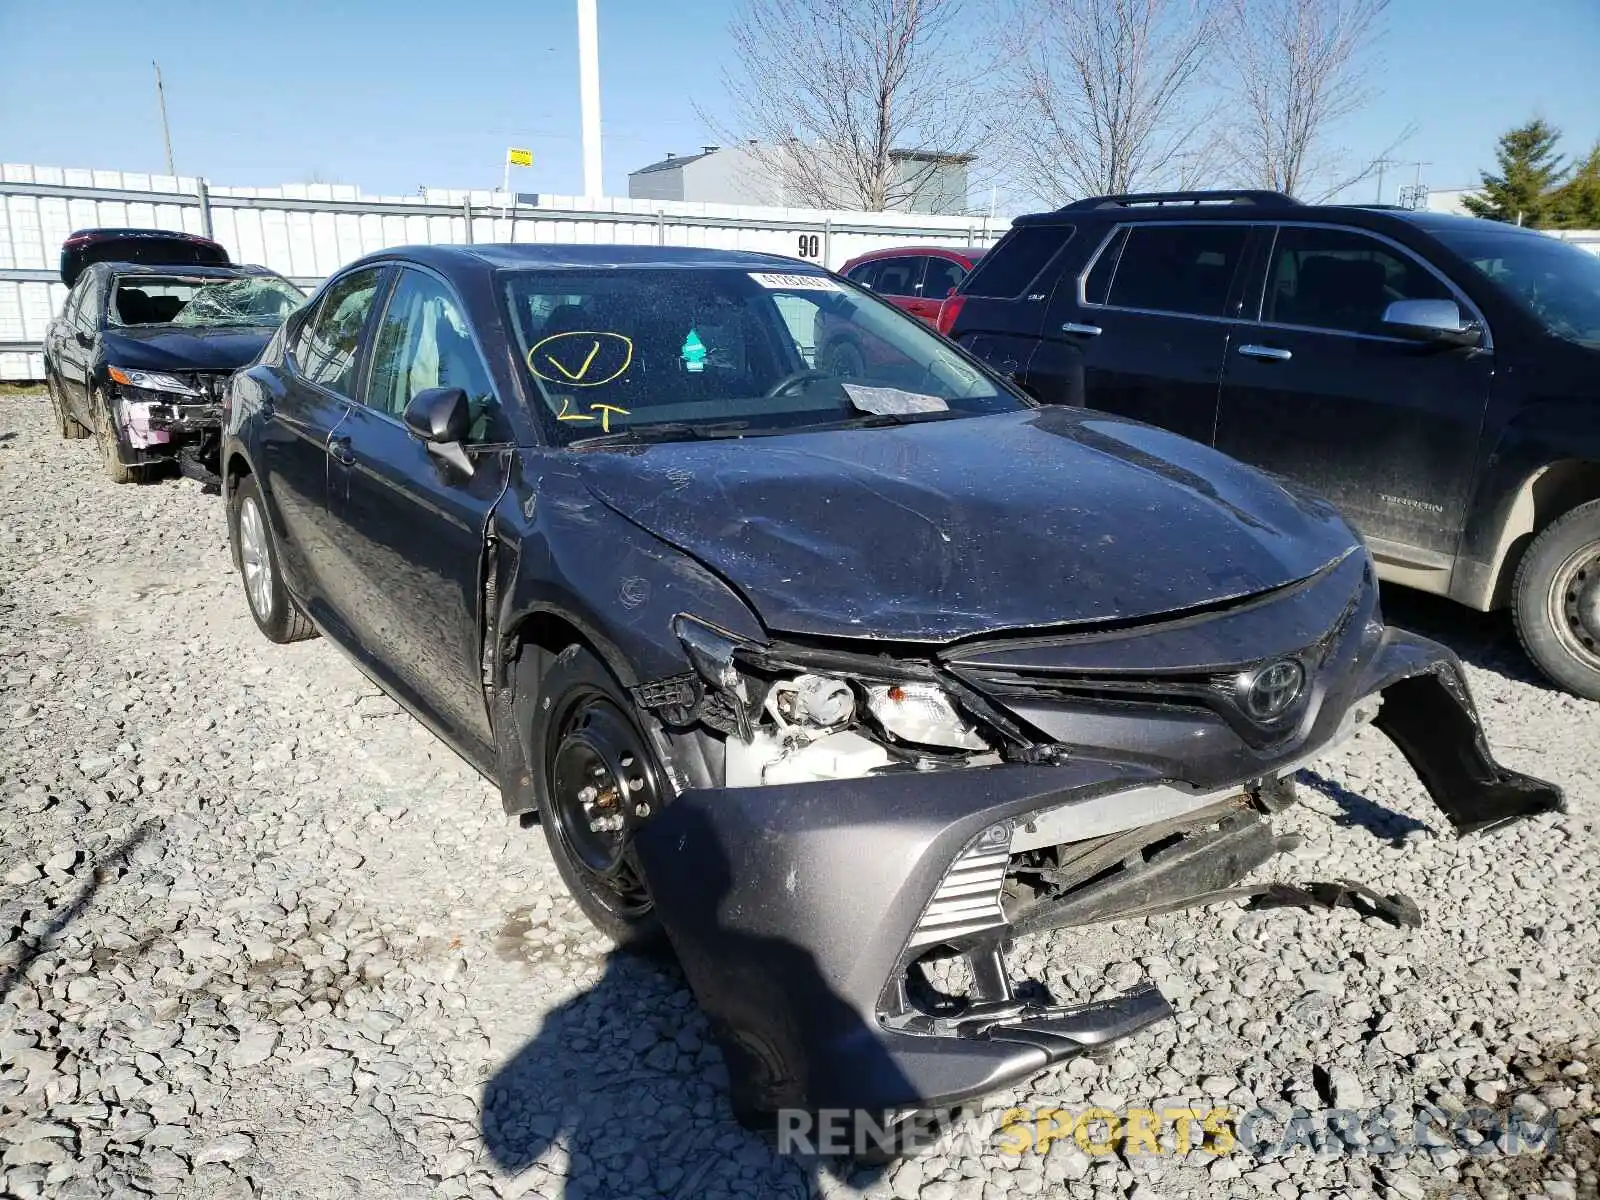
[[186, 269], [969, 252], [1375, 215], [553, 257]]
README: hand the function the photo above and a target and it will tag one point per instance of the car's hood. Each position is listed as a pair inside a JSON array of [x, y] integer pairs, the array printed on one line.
[[947, 529], [182, 348]]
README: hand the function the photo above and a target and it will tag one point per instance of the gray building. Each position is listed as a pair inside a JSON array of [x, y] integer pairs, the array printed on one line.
[[714, 176], [929, 182]]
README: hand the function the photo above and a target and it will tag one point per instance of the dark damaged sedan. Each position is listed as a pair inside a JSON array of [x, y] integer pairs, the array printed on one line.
[[812, 677], [152, 327]]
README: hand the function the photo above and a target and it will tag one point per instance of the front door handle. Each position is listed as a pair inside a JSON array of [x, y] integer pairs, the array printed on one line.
[[1265, 353], [339, 447], [1081, 330]]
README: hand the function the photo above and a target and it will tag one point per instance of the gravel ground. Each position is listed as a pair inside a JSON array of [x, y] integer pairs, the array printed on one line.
[[262, 935]]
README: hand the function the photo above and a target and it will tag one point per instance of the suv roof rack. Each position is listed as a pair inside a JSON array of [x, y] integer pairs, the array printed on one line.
[[1159, 199]]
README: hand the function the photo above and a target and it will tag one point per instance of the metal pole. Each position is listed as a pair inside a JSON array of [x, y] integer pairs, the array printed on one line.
[[505, 187], [205, 206], [827, 241], [466, 211], [166, 133], [589, 95]]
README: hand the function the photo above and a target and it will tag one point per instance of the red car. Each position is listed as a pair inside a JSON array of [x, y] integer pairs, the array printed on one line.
[[915, 278]]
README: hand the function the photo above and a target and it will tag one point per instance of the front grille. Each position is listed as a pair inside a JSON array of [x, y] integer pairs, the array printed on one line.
[[968, 899]]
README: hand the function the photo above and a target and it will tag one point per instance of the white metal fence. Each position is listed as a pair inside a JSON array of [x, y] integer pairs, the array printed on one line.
[[308, 231]]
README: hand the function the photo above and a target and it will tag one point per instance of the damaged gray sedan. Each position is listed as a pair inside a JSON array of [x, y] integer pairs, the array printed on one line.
[[818, 671]]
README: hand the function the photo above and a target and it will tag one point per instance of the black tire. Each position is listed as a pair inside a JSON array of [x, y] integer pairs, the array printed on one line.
[[845, 360], [1556, 601], [105, 435], [585, 739], [274, 610]]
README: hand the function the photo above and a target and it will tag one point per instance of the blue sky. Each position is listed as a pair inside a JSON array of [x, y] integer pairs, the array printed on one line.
[[393, 95]]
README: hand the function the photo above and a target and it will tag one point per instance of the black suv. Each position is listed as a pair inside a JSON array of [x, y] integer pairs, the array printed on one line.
[[1436, 377]]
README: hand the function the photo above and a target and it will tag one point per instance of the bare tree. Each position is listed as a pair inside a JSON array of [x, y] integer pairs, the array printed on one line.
[[1299, 67], [852, 103], [1111, 94]]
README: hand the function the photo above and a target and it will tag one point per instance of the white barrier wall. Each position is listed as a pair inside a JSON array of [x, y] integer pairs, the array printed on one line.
[[308, 231]]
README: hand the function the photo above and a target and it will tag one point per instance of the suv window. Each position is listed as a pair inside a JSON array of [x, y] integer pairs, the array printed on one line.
[[329, 341], [423, 342], [1178, 268], [1009, 268], [899, 276], [943, 275], [1341, 279]]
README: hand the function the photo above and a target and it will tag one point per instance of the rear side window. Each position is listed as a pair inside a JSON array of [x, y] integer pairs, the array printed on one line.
[[1009, 268], [943, 276], [898, 276], [866, 274], [1178, 268]]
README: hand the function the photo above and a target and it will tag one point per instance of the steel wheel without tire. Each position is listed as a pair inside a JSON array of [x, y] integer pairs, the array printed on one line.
[[1557, 600], [275, 612], [598, 786]]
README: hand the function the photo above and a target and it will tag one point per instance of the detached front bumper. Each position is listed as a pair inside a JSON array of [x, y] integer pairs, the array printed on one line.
[[797, 910]]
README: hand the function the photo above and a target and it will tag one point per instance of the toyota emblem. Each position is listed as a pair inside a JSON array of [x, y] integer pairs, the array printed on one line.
[[1270, 692]]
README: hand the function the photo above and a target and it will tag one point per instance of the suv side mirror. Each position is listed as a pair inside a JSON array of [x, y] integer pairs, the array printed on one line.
[[441, 417], [1437, 321]]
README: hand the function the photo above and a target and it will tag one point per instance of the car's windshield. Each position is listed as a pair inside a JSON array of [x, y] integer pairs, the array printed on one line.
[[200, 301], [1554, 280], [689, 351]]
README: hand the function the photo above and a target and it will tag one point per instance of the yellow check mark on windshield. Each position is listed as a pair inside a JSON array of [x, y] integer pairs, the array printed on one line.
[[583, 370]]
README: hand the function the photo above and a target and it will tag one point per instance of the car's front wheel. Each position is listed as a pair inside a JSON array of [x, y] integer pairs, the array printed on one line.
[[105, 436], [1557, 600], [598, 784], [275, 612]]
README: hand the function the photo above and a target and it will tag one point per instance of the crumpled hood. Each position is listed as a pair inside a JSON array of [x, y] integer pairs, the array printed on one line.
[[947, 529], [175, 348]]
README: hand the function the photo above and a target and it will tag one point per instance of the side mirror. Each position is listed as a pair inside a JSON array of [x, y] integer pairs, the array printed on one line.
[[1437, 321], [441, 417]]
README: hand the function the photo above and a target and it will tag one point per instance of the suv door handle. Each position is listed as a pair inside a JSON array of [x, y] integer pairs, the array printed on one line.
[[1267, 353], [339, 447], [1081, 330]]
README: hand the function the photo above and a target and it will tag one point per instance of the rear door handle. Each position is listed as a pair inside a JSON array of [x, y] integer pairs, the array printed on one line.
[[1266, 353], [1081, 330], [339, 447]]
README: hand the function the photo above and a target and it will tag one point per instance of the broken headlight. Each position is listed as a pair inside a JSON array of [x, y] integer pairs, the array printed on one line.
[[152, 381], [749, 688]]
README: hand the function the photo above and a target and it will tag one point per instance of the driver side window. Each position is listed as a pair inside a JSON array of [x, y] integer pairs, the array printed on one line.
[[423, 342]]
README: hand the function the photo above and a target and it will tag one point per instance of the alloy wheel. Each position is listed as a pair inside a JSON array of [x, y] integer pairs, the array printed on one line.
[[255, 558]]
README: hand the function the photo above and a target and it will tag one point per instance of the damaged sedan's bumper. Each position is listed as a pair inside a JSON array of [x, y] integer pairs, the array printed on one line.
[[800, 911]]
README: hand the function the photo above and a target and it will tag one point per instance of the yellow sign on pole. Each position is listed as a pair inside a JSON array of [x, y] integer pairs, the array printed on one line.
[[519, 158]]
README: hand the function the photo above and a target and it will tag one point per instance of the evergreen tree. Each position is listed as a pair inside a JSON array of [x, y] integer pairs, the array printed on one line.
[[1576, 203], [1530, 169]]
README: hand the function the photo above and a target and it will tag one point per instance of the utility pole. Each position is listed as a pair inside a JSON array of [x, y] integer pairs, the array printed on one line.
[[589, 94], [166, 133], [1381, 164]]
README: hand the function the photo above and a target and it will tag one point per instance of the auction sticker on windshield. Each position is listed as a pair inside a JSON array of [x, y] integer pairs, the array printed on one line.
[[782, 282]]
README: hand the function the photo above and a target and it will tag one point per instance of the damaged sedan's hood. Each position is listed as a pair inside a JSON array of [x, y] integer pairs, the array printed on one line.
[[180, 348], [946, 529]]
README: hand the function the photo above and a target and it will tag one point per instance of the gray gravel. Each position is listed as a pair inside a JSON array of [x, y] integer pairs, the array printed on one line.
[[262, 935]]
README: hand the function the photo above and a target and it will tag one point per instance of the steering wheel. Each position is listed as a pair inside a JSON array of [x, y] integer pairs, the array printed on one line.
[[793, 380]]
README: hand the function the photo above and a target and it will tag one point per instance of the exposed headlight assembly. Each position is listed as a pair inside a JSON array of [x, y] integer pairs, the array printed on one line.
[[151, 381], [804, 702], [922, 713]]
